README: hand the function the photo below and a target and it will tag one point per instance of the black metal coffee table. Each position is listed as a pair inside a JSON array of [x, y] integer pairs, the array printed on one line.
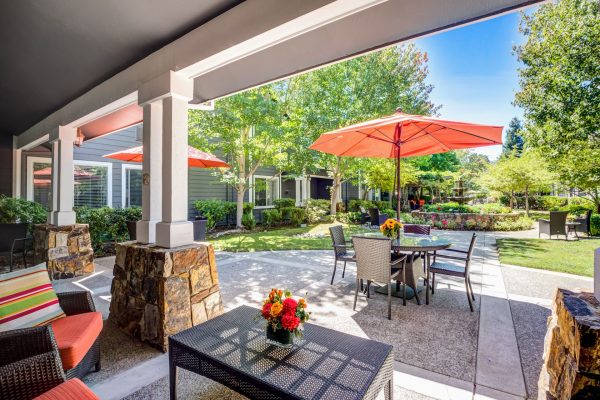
[[326, 364]]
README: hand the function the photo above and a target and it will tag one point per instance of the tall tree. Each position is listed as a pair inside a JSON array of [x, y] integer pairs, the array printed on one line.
[[560, 88], [349, 92], [511, 174], [514, 138], [246, 128]]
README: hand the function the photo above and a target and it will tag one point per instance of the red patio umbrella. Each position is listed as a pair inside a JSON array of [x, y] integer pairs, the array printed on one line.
[[196, 158], [405, 135]]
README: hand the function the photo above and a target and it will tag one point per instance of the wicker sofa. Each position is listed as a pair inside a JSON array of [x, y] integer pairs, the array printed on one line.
[[34, 360]]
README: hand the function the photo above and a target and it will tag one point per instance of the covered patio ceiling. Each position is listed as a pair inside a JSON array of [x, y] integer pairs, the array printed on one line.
[[56, 50], [234, 46]]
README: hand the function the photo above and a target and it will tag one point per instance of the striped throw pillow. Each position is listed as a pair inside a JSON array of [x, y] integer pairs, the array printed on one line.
[[27, 299]]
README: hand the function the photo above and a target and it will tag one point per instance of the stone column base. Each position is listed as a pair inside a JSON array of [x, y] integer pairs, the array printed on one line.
[[158, 292], [571, 367], [67, 249]]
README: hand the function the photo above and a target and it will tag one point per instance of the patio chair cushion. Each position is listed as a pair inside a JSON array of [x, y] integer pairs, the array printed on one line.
[[75, 335], [73, 389], [27, 299]]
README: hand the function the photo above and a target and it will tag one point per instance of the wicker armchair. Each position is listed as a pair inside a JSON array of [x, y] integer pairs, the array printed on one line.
[[556, 225], [30, 361], [340, 248], [373, 264], [377, 218]]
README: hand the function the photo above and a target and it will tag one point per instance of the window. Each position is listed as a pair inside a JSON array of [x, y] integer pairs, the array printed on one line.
[[93, 182], [132, 185], [39, 180], [266, 189]]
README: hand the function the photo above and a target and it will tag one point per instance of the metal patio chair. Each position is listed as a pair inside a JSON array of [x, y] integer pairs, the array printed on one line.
[[14, 240], [341, 248], [446, 268]]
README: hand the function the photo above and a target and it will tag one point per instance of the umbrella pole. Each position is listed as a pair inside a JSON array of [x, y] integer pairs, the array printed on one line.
[[399, 190]]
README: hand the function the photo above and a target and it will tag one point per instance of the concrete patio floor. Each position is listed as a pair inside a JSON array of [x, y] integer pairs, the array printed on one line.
[[442, 350]]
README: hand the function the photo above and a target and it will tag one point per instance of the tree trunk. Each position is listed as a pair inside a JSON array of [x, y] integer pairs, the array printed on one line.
[[527, 201], [334, 194], [510, 201], [241, 190]]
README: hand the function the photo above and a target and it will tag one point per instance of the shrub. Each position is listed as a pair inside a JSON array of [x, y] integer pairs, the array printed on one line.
[[595, 224], [316, 210], [271, 217], [471, 223], [520, 224], [355, 204], [548, 203], [298, 215], [284, 203], [348, 218], [494, 208], [18, 210], [579, 206], [450, 207], [248, 221], [214, 211], [107, 224], [390, 213]]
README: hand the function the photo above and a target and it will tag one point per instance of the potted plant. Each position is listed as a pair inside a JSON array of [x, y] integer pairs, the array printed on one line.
[[284, 317], [391, 228]]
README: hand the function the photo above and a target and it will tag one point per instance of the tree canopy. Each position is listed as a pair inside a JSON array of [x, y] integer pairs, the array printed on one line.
[[560, 88]]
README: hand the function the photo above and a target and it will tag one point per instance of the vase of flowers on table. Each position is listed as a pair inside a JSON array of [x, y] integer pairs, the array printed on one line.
[[284, 317], [391, 228]]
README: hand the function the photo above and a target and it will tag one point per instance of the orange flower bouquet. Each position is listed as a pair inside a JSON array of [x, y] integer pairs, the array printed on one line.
[[390, 228], [284, 316]]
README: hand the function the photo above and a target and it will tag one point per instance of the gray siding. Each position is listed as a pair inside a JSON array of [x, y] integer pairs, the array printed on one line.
[[95, 149]]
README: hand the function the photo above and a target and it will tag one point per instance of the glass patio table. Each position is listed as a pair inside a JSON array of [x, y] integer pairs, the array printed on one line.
[[410, 242]]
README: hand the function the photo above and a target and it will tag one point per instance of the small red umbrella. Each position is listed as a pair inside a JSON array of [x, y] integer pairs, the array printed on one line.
[[405, 135], [196, 158]]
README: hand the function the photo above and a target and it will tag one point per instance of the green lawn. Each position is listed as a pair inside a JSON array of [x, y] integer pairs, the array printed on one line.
[[573, 257], [282, 239]]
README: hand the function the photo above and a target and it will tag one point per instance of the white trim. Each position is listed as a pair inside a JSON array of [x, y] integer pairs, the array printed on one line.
[[109, 181], [252, 196], [29, 171], [125, 167]]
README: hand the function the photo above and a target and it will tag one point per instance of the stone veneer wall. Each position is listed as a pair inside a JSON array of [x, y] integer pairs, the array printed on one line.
[[158, 292], [459, 220], [67, 250], [571, 367]]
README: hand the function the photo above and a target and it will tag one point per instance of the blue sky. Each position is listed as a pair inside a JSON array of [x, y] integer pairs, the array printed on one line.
[[474, 72]]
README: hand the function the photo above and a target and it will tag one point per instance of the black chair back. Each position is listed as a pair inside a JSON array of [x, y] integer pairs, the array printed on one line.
[[132, 229], [558, 220], [417, 229], [10, 232], [374, 213]]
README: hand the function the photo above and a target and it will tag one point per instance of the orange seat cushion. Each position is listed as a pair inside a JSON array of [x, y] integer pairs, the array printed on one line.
[[75, 335], [73, 389]]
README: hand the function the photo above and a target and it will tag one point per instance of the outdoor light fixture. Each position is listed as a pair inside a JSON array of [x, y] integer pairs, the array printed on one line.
[[79, 138]]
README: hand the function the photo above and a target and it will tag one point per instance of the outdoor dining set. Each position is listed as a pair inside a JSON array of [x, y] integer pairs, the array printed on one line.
[[397, 264]]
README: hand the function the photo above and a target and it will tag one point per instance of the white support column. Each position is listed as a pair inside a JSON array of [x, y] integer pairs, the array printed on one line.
[[151, 173], [174, 92], [62, 139], [16, 169]]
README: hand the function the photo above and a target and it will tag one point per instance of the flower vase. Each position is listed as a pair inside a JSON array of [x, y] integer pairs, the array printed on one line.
[[280, 337]]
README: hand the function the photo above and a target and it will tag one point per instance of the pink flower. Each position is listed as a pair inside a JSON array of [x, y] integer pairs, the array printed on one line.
[[289, 321], [444, 222], [289, 306]]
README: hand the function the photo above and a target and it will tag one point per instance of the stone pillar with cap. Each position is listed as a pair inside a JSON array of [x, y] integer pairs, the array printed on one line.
[[165, 282]]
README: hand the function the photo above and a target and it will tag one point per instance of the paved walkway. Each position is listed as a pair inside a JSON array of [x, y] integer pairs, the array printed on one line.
[[442, 350]]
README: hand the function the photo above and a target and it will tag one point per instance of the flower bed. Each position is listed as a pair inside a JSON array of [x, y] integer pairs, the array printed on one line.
[[471, 221]]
